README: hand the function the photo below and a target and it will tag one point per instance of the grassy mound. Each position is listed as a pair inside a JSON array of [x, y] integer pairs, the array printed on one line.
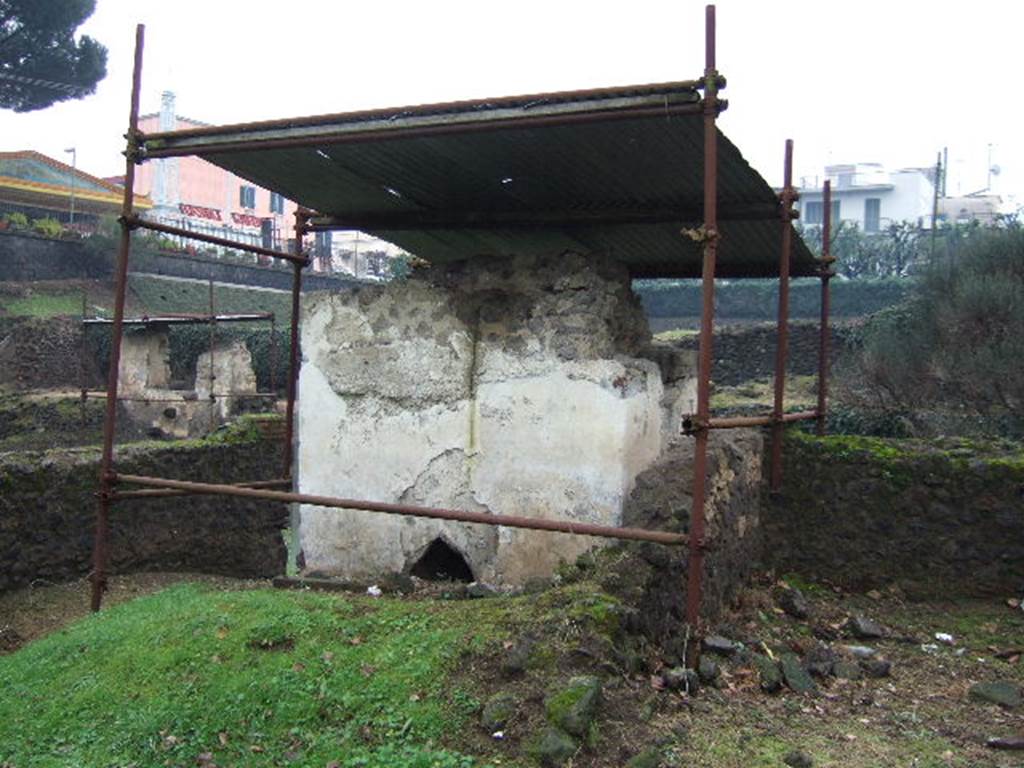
[[193, 676]]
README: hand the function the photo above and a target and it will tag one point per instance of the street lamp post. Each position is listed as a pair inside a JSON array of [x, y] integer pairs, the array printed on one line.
[[74, 174]]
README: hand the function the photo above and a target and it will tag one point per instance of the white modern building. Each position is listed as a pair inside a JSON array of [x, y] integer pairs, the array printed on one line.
[[869, 196]]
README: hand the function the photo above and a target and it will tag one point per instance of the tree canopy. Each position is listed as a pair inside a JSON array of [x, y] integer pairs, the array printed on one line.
[[41, 62]]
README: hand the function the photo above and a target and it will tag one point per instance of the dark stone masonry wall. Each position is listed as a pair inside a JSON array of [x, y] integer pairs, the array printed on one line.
[[25, 257], [745, 352], [652, 577], [38, 353], [47, 512], [864, 513]]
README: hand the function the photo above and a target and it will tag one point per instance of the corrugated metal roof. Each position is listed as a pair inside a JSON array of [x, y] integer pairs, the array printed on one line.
[[616, 171]]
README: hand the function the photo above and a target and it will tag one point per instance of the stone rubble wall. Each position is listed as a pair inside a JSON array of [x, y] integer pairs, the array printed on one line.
[[508, 386], [868, 513], [747, 351], [652, 578], [47, 513], [47, 353]]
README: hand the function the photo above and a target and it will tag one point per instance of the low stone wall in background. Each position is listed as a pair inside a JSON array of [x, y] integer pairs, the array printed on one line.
[[745, 352], [935, 520], [47, 512], [25, 257], [38, 353]]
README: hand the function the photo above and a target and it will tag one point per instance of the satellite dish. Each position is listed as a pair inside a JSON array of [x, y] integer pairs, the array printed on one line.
[[995, 170]]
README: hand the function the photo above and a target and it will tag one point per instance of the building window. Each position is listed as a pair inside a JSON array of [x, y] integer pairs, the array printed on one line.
[[813, 213], [276, 203], [872, 214], [247, 196]]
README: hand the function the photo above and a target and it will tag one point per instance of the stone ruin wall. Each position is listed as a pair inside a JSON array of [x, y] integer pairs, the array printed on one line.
[[513, 386], [155, 408]]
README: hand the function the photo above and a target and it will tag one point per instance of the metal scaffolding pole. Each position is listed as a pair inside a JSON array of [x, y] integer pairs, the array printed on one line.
[[710, 240], [825, 340], [787, 197], [301, 221], [101, 536]]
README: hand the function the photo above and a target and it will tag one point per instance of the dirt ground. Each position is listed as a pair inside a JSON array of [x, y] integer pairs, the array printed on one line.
[[33, 612], [920, 715]]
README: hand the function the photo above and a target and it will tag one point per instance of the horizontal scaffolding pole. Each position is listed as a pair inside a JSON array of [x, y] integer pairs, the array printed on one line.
[[427, 220], [760, 421], [135, 222], [184, 318], [395, 114], [151, 493], [212, 396], [508, 521], [163, 145]]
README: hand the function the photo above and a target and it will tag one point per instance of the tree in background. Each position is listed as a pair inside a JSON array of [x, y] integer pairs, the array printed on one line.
[[958, 343], [894, 252], [41, 62]]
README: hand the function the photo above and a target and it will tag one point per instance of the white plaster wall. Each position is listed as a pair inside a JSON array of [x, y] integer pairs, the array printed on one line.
[[402, 398]]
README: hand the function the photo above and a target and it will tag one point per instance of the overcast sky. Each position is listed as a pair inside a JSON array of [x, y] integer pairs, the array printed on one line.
[[868, 81]]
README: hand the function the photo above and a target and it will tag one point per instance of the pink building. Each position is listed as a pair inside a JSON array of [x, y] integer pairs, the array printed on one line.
[[191, 193]]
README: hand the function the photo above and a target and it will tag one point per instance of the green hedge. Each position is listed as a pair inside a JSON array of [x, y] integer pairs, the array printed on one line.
[[758, 299]]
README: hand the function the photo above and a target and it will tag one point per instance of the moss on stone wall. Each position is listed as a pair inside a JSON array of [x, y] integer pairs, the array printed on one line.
[[943, 517], [47, 509]]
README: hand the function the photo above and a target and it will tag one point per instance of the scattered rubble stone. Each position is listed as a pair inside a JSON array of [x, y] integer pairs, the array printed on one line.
[[864, 628], [1007, 742], [846, 670], [649, 758], [793, 602], [1001, 692], [518, 657], [796, 677], [797, 759], [723, 646], [479, 589], [876, 667], [860, 651], [574, 707], [681, 679], [552, 748], [498, 710], [708, 671], [820, 659], [768, 672]]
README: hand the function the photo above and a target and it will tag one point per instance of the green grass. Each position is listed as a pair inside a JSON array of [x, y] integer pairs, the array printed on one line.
[[252, 678], [158, 295], [43, 305]]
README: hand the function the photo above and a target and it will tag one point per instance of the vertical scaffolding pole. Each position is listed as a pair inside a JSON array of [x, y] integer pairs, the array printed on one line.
[[213, 375], [99, 552], [782, 334], [710, 241], [825, 340], [301, 220]]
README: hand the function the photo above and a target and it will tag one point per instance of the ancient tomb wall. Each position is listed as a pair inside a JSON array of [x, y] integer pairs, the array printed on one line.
[[515, 386]]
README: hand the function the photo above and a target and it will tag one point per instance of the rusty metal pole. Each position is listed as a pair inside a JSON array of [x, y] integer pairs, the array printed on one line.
[[707, 322], [213, 375], [825, 339], [301, 219], [83, 375], [782, 334], [100, 543], [273, 355]]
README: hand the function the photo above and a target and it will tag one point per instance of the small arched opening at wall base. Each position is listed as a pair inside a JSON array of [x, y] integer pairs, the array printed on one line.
[[442, 562]]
